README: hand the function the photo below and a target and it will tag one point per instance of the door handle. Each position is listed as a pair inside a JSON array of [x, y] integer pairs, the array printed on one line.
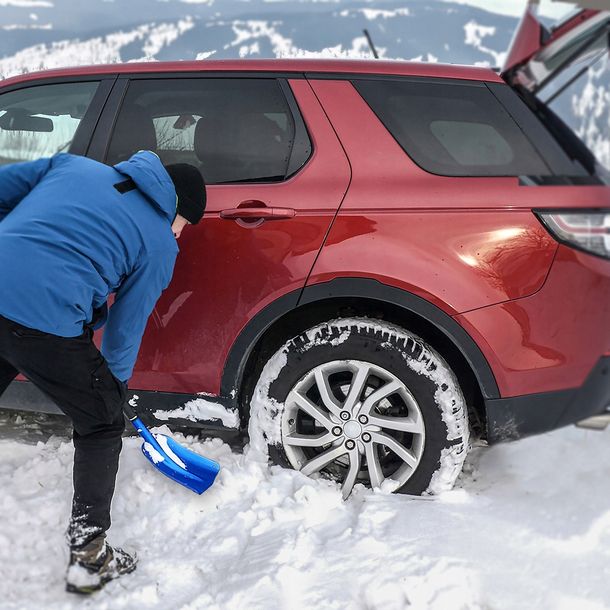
[[256, 210]]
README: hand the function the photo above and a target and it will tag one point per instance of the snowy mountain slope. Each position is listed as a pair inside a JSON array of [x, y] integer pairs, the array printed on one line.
[[121, 30], [39, 34]]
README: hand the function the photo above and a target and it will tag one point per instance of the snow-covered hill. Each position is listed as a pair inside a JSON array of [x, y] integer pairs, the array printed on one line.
[[41, 34]]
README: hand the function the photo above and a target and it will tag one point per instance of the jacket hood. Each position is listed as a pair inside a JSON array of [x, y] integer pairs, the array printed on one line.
[[147, 171]]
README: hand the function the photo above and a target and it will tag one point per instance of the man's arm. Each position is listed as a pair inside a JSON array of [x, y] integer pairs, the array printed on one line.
[[129, 313], [18, 179]]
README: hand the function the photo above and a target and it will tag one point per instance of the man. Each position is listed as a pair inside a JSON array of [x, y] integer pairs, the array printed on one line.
[[73, 231]]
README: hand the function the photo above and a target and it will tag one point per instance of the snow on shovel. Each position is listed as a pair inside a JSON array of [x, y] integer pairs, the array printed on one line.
[[172, 459]]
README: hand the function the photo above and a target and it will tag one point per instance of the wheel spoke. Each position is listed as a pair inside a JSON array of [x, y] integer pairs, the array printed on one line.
[[328, 398], [309, 440], [321, 460], [402, 424], [400, 450], [352, 473], [373, 465], [306, 405], [380, 394], [358, 383]]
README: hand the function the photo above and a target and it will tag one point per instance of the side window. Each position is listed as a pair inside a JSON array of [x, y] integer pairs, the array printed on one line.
[[39, 121], [231, 129], [452, 129]]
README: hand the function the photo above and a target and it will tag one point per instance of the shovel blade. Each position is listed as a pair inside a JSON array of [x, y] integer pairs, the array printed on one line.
[[180, 464]]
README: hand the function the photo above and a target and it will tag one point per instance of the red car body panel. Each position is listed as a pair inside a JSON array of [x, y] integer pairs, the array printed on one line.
[[551, 340], [228, 270], [422, 233]]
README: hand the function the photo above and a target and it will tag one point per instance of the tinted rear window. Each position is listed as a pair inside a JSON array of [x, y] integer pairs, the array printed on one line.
[[452, 129]]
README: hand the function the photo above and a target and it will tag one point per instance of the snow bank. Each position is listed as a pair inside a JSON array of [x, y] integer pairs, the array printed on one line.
[[201, 409], [528, 526]]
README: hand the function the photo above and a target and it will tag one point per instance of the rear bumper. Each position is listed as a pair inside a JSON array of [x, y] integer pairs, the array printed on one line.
[[519, 416]]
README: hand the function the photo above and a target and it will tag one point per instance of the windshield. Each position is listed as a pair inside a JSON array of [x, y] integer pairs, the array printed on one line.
[[579, 95]]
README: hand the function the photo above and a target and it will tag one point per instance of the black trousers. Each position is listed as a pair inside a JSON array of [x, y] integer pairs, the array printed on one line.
[[72, 372]]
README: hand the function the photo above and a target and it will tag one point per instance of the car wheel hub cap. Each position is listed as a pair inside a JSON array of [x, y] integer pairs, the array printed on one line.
[[352, 429], [353, 420]]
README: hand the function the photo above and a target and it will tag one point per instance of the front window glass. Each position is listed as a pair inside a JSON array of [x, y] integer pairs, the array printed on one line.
[[42, 120], [230, 129]]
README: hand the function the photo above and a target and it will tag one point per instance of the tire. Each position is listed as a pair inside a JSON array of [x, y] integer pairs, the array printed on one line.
[[362, 401]]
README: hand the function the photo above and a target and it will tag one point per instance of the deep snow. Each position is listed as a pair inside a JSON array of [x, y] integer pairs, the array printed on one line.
[[528, 525]]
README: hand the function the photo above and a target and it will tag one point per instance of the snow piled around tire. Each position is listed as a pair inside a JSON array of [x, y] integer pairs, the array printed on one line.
[[265, 412]]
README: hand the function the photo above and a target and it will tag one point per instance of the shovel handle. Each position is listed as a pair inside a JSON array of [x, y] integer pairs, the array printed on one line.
[[129, 412]]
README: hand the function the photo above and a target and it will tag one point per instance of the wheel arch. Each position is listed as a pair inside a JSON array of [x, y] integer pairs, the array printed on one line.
[[294, 312]]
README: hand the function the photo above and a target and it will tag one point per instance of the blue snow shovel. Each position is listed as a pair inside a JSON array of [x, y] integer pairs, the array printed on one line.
[[172, 459]]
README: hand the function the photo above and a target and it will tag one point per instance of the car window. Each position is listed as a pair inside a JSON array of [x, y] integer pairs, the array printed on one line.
[[578, 97], [231, 129], [452, 129], [42, 120]]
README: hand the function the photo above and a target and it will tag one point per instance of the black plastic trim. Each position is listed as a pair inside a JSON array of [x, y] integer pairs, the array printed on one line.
[[586, 180], [101, 136], [86, 127], [355, 288], [302, 148], [248, 337], [25, 396], [520, 416]]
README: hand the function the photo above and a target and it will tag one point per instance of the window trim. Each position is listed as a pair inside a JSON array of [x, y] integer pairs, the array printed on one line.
[[87, 125], [102, 137]]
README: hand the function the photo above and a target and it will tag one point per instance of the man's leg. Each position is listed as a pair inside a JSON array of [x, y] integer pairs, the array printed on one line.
[[73, 373], [7, 373], [96, 462]]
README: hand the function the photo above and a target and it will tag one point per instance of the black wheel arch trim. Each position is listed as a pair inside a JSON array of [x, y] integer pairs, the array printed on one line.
[[354, 288]]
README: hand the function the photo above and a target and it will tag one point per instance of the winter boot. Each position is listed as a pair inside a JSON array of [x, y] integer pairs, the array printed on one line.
[[93, 565]]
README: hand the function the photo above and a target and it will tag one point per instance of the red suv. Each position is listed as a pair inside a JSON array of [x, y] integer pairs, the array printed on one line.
[[394, 255]]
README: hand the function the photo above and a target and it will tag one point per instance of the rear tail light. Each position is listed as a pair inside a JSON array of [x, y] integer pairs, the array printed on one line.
[[587, 230]]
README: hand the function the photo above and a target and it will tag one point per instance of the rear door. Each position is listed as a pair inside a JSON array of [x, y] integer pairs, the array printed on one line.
[[536, 55], [564, 75], [275, 175]]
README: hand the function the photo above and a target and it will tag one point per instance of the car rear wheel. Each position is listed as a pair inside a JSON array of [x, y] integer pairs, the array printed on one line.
[[362, 401]]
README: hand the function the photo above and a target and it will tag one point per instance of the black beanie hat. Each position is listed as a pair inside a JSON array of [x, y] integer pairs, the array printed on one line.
[[190, 189]]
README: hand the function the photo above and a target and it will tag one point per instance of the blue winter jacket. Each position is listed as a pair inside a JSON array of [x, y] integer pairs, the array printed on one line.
[[69, 238]]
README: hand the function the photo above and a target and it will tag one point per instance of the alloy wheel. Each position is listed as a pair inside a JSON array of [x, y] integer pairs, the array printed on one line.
[[355, 421]]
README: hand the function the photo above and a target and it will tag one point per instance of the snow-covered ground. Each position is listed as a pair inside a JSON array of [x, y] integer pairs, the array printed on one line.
[[528, 526]]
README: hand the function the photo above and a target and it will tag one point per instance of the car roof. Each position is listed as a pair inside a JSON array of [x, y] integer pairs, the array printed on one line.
[[321, 66]]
